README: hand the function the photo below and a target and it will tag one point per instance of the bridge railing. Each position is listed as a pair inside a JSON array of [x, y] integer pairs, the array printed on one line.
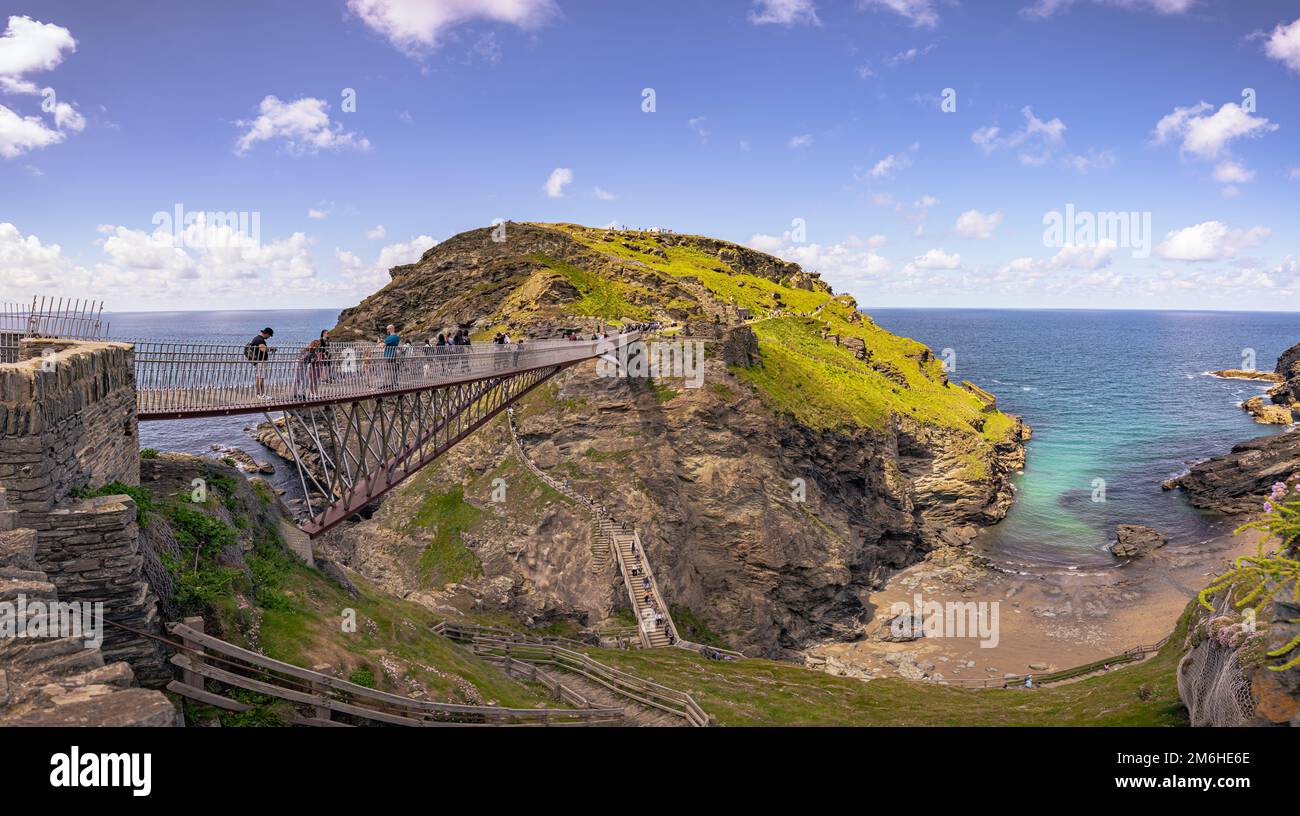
[[188, 379]]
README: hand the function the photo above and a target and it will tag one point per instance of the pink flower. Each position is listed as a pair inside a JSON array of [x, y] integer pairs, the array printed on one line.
[[1268, 507]]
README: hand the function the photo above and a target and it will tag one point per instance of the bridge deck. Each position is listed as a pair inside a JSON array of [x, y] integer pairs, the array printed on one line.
[[184, 380]]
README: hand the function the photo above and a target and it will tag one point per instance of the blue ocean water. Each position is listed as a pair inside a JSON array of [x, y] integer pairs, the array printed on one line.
[[1119, 396]]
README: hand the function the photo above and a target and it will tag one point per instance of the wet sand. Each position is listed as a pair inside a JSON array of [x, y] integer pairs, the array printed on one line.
[[1047, 621]]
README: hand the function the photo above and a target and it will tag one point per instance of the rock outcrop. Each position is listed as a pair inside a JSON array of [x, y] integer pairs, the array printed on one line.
[[1133, 540], [1239, 481], [771, 500]]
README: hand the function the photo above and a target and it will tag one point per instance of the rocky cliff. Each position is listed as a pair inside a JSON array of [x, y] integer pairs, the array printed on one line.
[[820, 453]]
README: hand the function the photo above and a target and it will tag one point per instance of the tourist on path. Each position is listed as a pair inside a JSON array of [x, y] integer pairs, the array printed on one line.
[[257, 352], [391, 344]]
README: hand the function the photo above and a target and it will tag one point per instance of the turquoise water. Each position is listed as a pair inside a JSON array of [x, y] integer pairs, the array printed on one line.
[[1119, 396]]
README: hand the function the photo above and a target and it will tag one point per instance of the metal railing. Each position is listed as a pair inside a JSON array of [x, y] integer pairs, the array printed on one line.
[[64, 318], [176, 380]]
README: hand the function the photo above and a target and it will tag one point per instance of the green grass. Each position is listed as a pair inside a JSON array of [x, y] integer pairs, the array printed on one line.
[[446, 560], [693, 628], [764, 692], [142, 496], [602, 297]]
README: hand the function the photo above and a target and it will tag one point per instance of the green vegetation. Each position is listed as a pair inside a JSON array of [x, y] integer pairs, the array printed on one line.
[[602, 297], [692, 628], [362, 676], [446, 560], [765, 692], [142, 496], [148, 453]]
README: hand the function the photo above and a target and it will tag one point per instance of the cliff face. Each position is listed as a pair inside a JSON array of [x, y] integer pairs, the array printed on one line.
[[820, 454]]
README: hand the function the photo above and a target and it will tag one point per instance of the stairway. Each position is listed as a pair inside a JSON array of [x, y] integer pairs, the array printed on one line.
[[640, 581]]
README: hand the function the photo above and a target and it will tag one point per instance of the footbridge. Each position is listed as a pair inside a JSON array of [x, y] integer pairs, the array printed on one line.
[[357, 419]]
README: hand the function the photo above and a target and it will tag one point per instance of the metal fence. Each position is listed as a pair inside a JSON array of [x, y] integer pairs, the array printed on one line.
[[74, 319], [176, 380]]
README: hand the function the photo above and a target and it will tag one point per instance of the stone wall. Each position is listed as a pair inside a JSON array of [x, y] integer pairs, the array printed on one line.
[[67, 421]]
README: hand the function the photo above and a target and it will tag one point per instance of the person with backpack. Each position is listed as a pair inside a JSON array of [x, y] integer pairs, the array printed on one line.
[[257, 352], [392, 342]]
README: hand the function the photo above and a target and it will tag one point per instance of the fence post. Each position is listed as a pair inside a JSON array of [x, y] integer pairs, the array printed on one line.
[[322, 713], [189, 676]]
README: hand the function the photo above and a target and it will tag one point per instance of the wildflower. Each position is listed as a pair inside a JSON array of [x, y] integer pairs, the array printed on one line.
[[1268, 507]]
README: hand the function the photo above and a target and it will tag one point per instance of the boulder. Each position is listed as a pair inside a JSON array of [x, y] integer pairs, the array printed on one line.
[[1267, 414], [1133, 540]]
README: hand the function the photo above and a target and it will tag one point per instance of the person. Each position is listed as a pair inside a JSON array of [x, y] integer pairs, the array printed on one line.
[[323, 357], [391, 344], [645, 583], [258, 352], [308, 371], [1029, 681]]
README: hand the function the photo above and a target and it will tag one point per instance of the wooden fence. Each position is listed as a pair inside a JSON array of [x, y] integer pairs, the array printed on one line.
[[319, 697], [488, 643]]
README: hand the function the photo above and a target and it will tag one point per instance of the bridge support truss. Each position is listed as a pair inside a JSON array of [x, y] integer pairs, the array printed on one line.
[[349, 454]]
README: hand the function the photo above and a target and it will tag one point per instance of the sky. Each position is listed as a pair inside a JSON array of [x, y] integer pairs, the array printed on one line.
[[925, 153]]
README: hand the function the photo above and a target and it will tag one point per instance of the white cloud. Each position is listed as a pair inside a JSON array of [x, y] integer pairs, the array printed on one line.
[[20, 134], [603, 194], [843, 265], [1092, 160], [29, 46], [932, 260], [560, 178], [418, 26], [910, 55], [1084, 256], [377, 234], [1209, 241], [1206, 137], [920, 13], [1042, 9], [318, 214], [1038, 140], [31, 266], [886, 167], [366, 278], [797, 142], [697, 124], [1231, 172], [784, 12], [303, 125], [978, 225], [1284, 45], [877, 241]]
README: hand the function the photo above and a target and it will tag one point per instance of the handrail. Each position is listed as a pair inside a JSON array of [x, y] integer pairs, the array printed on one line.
[[175, 380], [409, 711]]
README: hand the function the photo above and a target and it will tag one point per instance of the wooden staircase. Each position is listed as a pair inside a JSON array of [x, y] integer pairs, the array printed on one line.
[[643, 591]]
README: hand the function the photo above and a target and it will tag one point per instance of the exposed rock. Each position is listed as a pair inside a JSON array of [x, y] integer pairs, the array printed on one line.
[[1245, 374], [1267, 414], [741, 348], [1287, 392], [1133, 540], [1240, 481]]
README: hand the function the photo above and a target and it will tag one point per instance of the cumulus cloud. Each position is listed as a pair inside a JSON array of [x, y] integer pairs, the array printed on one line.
[[934, 259], [801, 141], [377, 234], [850, 263], [784, 12], [1036, 141], [1209, 241], [560, 178], [1232, 172], [977, 225], [416, 27], [603, 194], [1284, 44], [920, 13], [29, 46], [303, 126], [1206, 137], [30, 265], [366, 278]]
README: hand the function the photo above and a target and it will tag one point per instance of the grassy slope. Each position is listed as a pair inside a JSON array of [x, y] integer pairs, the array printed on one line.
[[764, 692], [822, 384]]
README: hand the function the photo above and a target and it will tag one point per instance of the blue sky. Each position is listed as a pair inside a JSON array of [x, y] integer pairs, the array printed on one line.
[[808, 128]]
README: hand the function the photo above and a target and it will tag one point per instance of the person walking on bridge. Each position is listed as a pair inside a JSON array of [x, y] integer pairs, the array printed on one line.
[[391, 344], [258, 352]]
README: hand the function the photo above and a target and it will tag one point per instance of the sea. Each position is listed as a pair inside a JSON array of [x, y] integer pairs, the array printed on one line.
[[1119, 401]]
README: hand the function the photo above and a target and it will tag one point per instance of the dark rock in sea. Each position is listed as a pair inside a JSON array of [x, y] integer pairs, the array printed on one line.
[[1133, 540], [1287, 392], [1240, 481]]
